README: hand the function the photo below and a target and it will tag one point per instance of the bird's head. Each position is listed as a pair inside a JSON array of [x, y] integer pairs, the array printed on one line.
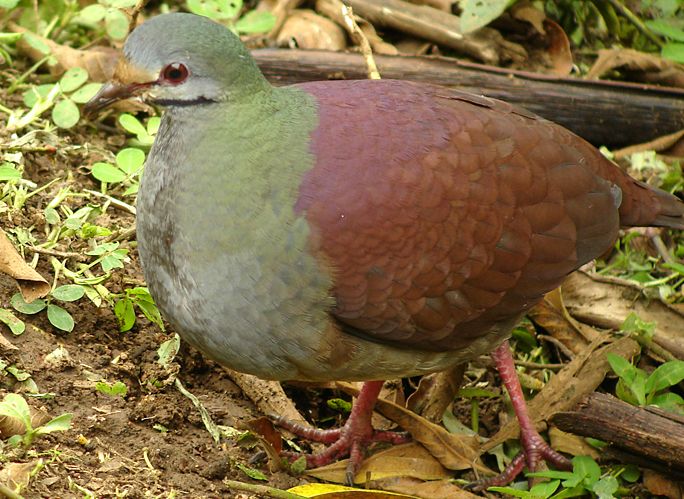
[[180, 60]]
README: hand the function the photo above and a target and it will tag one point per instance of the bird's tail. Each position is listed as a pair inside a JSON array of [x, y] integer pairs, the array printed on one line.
[[646, 206]]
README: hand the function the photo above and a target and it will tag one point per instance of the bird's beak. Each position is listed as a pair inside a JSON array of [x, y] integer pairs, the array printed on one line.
[[128, 81], [109, 93]]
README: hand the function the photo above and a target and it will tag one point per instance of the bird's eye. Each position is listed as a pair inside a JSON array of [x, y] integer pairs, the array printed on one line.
[[175, 73]]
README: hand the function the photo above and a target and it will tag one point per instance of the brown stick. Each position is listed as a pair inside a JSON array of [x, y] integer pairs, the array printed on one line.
[[653, 434], [605, 113], [442, 28]]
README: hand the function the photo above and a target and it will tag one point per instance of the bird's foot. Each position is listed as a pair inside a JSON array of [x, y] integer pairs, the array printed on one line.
[[535, 451], [351, 440]]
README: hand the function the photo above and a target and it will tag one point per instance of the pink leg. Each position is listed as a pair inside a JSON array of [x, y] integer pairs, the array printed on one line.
[[352, 439], [534, 447]]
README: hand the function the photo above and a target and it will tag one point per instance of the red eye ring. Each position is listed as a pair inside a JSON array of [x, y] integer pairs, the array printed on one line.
[[174, 73]]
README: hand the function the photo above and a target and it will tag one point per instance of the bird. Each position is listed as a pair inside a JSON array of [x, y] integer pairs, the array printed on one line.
[[357, 230]]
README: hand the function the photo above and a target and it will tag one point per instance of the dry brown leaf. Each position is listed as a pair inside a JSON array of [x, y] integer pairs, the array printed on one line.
[[14, 426], [268, 396], [31, 283], [99, 62], [406, 460], [660, 144], [525, 11], [580, 377], [651, 68], [455, 452], [571, 444], [435, 392], [606, 303], [15, 475], [660, 485], [438, 489], [311, 31], [558, 49]]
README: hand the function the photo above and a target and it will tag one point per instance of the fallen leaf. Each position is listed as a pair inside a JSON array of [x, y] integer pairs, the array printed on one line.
[[435, 392], [647, 67], [308, 30], [437, 489], [659, 144], [406, 460], [558, 49], [332, 491], [98, 61], [574, 445], [606, 303], [31, 283], [455, 452], [565, 389], [15, 475], [660, 485]]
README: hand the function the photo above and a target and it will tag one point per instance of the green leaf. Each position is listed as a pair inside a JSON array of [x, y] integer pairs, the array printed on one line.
[[72, 79], [105, 172], [117, 389], [122, 4], [60, 318], [36, 92], [168, 350], [545, 489], [60, 423], [14, 406], [123, 309], [85, 93], [111, 262], [665, 29], [214, 9], [17, 301], [37, 43], [511, 491], [130, 160], [153, 125], [116, 24], [131, 124], [666, 375], [479, 13], [92, 14], [340, 405], [255, 22], [669, 401], [51, 215], [68, 292], [151, 311], [8, 4], [8, 172], [673, 51], [252, 473], [622, 367], [606, 487], [65, 114], [16, 325], [586, 469]]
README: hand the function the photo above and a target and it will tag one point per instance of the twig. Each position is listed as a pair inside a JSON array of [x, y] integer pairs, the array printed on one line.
[[568, 353], [360, 38], [10, 494], [263, 490], [59, 254], [631, 17], [119, 204], [538, 365]]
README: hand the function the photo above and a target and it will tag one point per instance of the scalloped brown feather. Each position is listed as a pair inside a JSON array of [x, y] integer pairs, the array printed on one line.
[[442, 214]]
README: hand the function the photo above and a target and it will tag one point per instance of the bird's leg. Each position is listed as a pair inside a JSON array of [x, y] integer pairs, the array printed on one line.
[[352, 439], [534, 447]]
